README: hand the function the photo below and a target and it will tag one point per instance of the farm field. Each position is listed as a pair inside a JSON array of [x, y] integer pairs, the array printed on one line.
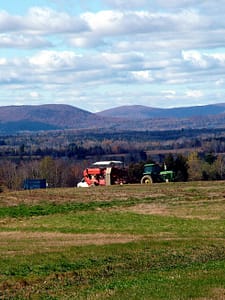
[[162, 241]]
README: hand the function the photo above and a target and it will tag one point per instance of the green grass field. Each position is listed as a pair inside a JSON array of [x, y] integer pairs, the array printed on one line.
[[163, 241]]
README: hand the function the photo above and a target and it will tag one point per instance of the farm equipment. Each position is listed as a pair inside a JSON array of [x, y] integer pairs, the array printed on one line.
[[153, 173], [104, 173], [31, 184]]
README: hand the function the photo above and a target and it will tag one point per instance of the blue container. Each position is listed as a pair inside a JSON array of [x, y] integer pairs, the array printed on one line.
[[31, 184]]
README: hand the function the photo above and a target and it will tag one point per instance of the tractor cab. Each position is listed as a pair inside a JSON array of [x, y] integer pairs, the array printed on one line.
[[153, 173], [152, 169]]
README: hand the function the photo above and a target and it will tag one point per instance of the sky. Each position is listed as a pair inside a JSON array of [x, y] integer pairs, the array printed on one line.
[[101, 54]]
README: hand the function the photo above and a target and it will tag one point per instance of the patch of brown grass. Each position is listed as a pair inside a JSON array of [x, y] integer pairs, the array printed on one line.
[[175, 211], [215, 294], [188, 191], [28, 242]]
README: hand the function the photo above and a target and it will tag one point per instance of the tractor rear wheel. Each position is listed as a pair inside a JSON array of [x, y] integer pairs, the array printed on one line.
[[147, 179]]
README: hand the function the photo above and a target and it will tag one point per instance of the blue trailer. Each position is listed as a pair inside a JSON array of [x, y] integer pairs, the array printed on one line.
[[31, 184]]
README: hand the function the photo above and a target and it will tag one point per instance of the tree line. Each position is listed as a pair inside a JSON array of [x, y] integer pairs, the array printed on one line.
[[61, 156], [60, 172]]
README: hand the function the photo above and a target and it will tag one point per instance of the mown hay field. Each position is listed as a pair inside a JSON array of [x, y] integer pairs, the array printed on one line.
[[160, 241]]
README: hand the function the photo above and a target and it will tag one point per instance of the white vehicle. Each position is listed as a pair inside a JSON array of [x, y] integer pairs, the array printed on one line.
[[82, 183]]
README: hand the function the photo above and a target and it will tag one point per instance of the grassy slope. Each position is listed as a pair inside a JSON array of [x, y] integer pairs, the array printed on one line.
[[164, 241]]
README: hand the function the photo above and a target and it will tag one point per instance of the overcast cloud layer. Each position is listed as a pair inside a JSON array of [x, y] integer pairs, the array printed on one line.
[[98, 54]]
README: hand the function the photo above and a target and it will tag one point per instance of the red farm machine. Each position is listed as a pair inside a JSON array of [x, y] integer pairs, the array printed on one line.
[[104, 173]]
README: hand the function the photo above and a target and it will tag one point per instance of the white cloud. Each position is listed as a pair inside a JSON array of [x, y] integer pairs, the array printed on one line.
[[144, 30], [10, 23], [204, 60], [217, 58], [143, 76], [54, 60], [57, 22], [3, 61], [147, 50], [131, 4], [86, 41], [195, 58], [194, 94], [34, 94], [178, 3], [42, 21], [109, 23], [220, 82], [23, 41], [127, 59], [169, 94]]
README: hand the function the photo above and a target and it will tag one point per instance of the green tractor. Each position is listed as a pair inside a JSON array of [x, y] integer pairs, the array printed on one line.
[[153, 173]]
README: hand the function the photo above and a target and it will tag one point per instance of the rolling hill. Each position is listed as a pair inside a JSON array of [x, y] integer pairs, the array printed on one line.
[[61, 117], [46, 117], [144, 112]]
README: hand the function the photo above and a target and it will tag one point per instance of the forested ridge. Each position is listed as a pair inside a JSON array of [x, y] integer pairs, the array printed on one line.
[[14, 119]]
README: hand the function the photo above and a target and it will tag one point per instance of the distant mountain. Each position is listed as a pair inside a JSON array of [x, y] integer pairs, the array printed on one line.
[[134, 112], [61, 117], [46, 117]]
